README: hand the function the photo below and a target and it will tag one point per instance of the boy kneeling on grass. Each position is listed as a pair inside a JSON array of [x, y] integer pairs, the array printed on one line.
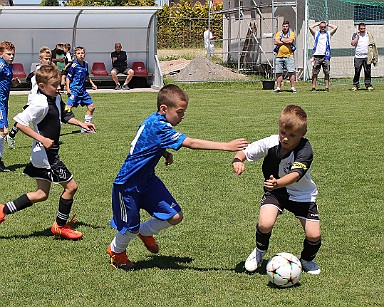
[[136, 185], [46, 112]]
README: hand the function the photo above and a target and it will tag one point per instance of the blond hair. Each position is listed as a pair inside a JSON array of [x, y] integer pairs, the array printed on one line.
[[44, 52], [47, 72], [293, 117]]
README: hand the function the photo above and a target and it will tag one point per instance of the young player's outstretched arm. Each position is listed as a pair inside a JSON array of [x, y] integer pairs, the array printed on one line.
[[235, 145], [76, 122]]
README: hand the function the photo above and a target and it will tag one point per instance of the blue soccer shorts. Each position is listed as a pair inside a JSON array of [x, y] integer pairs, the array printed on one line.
[[3, 116], [76, 99], [127, 202]]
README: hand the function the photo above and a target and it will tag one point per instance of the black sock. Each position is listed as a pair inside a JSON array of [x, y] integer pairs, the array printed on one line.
[[18, 204], [262, 239], [65, 206], [310, 249], [13, 131]]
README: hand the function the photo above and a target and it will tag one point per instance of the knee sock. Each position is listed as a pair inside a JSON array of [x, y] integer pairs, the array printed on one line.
[[262, 239], [13, 131], [153, 226], [1, 146], [310, 249], [65, 206], [120, 243], [88, 118], [18, 204]]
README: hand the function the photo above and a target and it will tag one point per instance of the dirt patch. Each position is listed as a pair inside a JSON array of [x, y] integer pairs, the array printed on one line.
[[200, 69]]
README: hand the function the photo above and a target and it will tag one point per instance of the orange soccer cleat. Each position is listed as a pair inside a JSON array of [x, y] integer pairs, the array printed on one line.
[[66, 231], [2, 215], [119, 260], [150, 243]]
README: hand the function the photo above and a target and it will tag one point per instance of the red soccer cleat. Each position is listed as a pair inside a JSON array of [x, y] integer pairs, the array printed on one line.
[[150, 243], [2, 215], [66, 231], [119, 260]]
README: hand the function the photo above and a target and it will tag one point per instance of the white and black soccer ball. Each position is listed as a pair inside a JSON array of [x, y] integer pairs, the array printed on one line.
[[284, 270]]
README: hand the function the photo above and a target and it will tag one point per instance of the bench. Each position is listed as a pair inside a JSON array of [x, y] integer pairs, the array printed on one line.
[[99, 74]]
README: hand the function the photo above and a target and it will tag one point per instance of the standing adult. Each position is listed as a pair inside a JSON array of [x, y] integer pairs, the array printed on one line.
[[58, 56], [365, 55], [284, 41], [208, 41], [321, 51], [120, 65]]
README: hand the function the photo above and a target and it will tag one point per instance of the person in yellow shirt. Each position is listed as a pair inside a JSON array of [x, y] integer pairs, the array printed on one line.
[[284, 49]]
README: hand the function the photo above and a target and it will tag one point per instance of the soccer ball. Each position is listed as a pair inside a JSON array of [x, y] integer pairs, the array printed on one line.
[[284, 270]]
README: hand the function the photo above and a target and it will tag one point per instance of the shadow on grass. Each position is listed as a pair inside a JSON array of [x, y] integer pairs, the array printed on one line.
[[15, 167], [72, 132], [261, 270], [182, 263], [47, 232]]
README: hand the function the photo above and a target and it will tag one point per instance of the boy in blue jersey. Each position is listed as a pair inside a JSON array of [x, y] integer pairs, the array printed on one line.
[[136, 185], [287, 159], [77, 76], [7, 54]]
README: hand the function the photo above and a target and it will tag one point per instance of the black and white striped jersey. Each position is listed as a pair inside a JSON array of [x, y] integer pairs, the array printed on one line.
[[299, 160]]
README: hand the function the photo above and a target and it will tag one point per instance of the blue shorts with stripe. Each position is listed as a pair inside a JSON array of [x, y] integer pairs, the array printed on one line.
[[76, 99], [127, 202]]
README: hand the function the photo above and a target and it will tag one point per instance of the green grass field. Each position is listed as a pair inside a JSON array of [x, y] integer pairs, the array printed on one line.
[[201, 260]]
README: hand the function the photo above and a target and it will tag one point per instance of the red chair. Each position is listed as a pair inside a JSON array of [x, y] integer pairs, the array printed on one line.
[[139, 69], [18, 71], [98, 69]]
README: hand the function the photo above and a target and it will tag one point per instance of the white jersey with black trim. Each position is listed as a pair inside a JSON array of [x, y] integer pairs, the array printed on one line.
[[299, 160]]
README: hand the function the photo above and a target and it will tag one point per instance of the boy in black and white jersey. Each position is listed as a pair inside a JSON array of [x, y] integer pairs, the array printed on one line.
[[46, 112], [287, 159]]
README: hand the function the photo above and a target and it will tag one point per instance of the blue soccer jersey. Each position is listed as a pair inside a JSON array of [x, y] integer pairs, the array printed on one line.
[[78, 74], [153, 137], [6, 75]]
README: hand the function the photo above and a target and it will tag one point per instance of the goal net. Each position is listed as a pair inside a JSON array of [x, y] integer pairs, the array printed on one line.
[[346, 14]]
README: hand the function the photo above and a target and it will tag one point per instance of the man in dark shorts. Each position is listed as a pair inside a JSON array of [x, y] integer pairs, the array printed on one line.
[[120, 66]]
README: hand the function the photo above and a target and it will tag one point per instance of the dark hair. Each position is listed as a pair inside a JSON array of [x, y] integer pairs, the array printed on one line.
[[285, 22], [361, 24], [170, 95]]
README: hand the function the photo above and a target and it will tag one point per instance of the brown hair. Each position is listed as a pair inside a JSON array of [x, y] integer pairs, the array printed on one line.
[[5, 45], [169, 95], [47, 72], [293, 117]]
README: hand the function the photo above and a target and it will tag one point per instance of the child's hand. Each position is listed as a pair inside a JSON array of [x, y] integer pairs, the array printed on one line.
[[47, 143], [271, 183], [15, 82], [238, 167], [88, 126], [168, 158], [237, 145], [94, 87]]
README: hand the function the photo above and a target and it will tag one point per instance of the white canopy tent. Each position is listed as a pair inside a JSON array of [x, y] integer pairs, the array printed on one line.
[[97, 29]]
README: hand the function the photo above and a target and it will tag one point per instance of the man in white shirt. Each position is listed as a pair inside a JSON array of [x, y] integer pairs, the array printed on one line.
[[208, 42], [321, 52], [362, 41]]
